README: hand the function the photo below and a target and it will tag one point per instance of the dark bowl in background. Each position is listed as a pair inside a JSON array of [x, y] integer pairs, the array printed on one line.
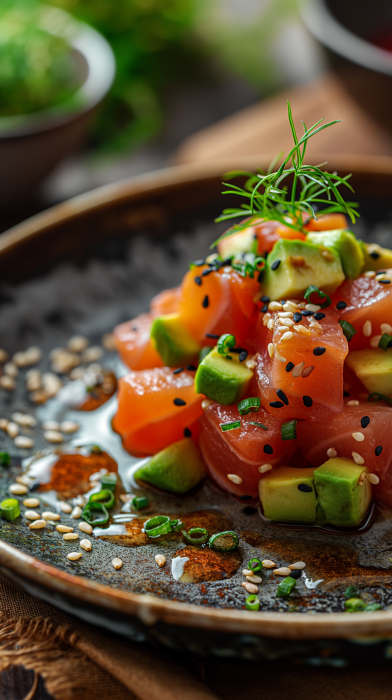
[[346, 30]]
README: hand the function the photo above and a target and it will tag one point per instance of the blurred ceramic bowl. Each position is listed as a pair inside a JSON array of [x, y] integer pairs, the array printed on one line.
[[349, 31], [31, 145]]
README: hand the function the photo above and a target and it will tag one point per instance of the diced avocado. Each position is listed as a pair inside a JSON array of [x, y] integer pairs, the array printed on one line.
[[172, 341], [287, 495], [177, 469], [349, 248], [373, 368], [293, 265], [342, 497], [241, 242], [376, 257], [222, 378]]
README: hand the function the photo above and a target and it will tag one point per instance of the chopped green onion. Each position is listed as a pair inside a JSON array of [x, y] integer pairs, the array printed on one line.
[[105, 496], [354, 605], [255, 565], [285, 587], [196, 535], [259, 425], [157, 526], [140, 502], [375, 396], [288, 430], [230, 426], [351, 592], [348, 330], [225, 342], [4, 459], [372, 607], [10, 509], [109, 481], [95, 507], [176, 525], [385, 341], [224, 541], [252, 602], [321, 295], [252, 404]]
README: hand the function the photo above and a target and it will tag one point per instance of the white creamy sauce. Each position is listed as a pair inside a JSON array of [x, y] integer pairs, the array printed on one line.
[[309, 583], [110, 531], [41, 469], [177, 566]]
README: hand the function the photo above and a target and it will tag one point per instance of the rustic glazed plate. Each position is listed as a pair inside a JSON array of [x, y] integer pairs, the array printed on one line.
[[83, 267]]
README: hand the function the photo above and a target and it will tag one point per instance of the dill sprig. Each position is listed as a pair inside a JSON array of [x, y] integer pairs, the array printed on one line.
[[270, 199]]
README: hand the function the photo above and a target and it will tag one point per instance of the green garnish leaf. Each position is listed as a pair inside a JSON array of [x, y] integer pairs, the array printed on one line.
[[354, 605], [348, 330], [230, 426], [196, 535], [321, 295], [5, 459], [10, 509], [285, 587], [288, 430], [375, 396], [385, 341], [105, 497], [95, 507], [252, 602], [252, 404], [225, 343], [157, 526], [259, 425], [140, 502]]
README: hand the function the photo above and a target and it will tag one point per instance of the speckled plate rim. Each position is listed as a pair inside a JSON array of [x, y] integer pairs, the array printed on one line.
[[149, 609]]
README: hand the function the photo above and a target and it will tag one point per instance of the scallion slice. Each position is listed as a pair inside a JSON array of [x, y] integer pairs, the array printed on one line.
[[252, 602], [385, 341], [348, 330], [252, 404], [354, 605], [105, 496], [288, 430], [10, 509], [196, 535], [224, 541], [95, 507], [321, 295], [255, 564], [372, 607], [225, 342], [109, 481], [375, 396], [285, 587], [4, 459], [230, 426], [259, 425], [139, 502], [176, 525], [157, 526]]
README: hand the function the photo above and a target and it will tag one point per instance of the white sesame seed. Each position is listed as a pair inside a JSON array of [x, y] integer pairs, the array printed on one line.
[[367, 328], [375, 341], [3, 424], [353, 402], [357, 458], [298, 369], [3, 356], [11, 370], [283, 571], [270, 324], [69, 426], [307, 371], [267, 316], [37, 524], [250, 364], [302, 329], [250, 587], [109, 342], [331, 452], [234, 478], [247, 572], [71, 536], [362, 478], [359, 437], [373, 478], [278, 355], [297, 565], [315, 325], [291, 305], [23, 479], [283, 329], [7, 383], [64, 528], [48, 515], [264, 468], [312, 307], [92, 354], [85, 527], [117, 563], [12, 429], [380, 276], [24, 419], [206, 403], [160, 560], [286, 322], [125, 497], [268, 564], [31, 515], [76, 513], [25, 443], [275, 306], [271, 349], [33, 380], [301, 304], [77, 343], [31, 502], [386, 328], [51, 384], [74, 556], [287, 336], [31, 356], [18, 489], [86, 544], [285, 314], [53, 436], [65, 507], [253, 579], [51, 425], [369, 273]]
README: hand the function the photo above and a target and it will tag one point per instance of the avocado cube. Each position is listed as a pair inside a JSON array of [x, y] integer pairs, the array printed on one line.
[[172, 341], [222, 378], [373, 368], [176, 469], [341, 494], [294, 265], [287, 495], [376, 257], [346, 245]]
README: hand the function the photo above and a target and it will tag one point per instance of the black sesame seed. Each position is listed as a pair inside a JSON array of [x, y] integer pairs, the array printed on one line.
[[377, 452], [275, 264], [305, 488], [198, 281], [179, 402], [319, 351], [208, 272], [345, 394], [214, 336], [296, 573], [276, 404], [341, 305], [282, 396], [308, 401], [365, 421], [384, 281], [191, 368], [319, 315], [282, 301], [268, 449], [226, 262], [297, 317], [36, 485], [245, 498], [211, 264], [374, 255], [260, 276], [265, 299], [305, 312], [205, 302], [243, 355], [248, 510], [264, 309], [187, 432], [290, 366], [134, 328], [177, 371]]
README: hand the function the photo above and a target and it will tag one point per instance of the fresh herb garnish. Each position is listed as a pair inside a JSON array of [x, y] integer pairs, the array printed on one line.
[[259, 425], [288, 430], [247, 405], [385, 341], [225, 343], [348, 330], [5, 459], [312, 289]]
